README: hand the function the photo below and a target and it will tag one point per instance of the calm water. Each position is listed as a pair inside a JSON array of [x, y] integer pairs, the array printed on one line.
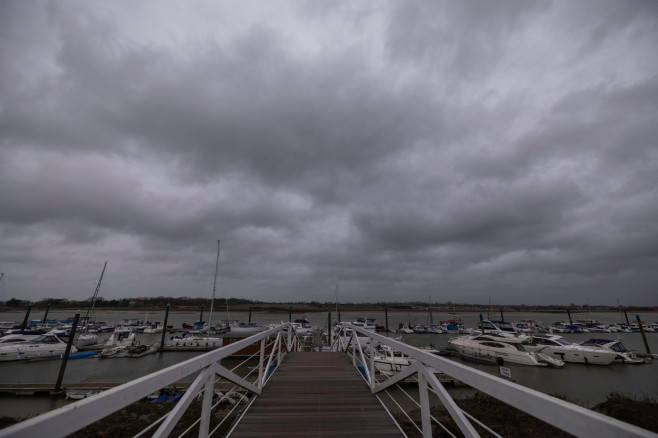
[[586, 385]]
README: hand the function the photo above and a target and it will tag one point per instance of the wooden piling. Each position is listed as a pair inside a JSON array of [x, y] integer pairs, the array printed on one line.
[[164, 329], [644, 336], [65, 359]]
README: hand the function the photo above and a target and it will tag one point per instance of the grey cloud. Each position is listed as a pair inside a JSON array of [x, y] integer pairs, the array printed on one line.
[[400, 149]]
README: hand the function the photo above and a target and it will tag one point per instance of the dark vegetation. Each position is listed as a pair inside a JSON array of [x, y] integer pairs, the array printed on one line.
[[138, 416], [238, 304], [503, 419], [510, 422]]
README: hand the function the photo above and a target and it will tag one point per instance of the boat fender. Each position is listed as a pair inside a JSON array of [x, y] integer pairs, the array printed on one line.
[[362, 370]]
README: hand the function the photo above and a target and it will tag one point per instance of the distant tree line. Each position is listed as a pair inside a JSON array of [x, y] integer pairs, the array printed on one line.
[[190, 302]]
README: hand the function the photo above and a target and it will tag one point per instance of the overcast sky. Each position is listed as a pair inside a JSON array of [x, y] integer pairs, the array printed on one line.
[[400, 150]]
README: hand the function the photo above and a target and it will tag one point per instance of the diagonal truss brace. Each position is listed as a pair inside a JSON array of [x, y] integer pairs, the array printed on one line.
[[205, 378]]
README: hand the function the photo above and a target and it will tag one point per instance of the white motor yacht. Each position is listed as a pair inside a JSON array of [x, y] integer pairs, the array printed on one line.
[[557, 346], [500, 348], [46, 346], [622, 354]]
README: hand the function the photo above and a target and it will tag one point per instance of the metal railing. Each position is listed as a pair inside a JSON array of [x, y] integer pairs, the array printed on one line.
[[569, 417], [76, 416]]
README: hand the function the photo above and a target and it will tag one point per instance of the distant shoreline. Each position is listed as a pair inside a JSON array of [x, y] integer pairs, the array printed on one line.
[[311, 308]]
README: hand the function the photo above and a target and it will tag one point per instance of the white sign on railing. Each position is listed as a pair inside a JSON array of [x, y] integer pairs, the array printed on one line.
[[506, 372]]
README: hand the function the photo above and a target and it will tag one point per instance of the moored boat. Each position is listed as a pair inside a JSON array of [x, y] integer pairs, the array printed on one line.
[[622, 354], [500, 348], [46, 346], [557, 346]]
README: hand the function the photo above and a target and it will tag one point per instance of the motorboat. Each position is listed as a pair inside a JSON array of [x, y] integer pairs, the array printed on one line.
[[557, 346], [450, 327], [420, 329], [366, 323], [500, 348], [123, 335], [46, 346], [154, 327], [389, 361], [16, 338], [188, 341], [88, 338], [302, 326], [122, 338], [622, 354], [405, 330], [241, 328]]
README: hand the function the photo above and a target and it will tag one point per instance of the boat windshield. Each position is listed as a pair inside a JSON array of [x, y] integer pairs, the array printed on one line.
[[560, 341], [43, 340]]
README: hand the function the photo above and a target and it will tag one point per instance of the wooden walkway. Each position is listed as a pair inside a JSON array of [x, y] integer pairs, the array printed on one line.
[[316, 395]]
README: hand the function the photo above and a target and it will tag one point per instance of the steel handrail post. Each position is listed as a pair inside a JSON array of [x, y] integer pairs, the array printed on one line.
[[177, 412], [449, 403], [371, 363], [270, 358], [206, 407], [260, 363], [353, 349], [424, 405]]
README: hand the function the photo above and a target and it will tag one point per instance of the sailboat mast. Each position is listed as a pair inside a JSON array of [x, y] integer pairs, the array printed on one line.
[[93, 299], [214, 289]]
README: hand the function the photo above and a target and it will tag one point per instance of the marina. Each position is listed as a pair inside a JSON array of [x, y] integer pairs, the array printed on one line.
[[314, 378], [586, 384]]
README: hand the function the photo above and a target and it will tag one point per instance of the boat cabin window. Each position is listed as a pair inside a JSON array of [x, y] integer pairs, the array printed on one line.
[[493, 344], [43, 340]]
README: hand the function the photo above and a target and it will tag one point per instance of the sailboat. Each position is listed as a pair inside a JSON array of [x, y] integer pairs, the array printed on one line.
[[89, 336], [187, 341]]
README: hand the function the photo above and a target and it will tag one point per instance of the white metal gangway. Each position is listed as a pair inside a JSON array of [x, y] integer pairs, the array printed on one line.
[[73, 417], [571, 418], [567, 416]]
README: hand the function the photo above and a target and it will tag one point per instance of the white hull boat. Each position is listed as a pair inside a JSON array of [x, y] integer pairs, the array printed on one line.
[[389, 362], [187, 340], [500, 350], [558, 347], [46, 346], [622, 355]]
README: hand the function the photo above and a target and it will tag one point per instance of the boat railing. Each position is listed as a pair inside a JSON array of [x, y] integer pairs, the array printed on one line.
[[564, 415], [206, 370]]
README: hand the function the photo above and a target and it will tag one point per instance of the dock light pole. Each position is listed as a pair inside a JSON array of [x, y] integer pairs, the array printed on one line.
[[201, 316], [627, 321], [65, 358], [289, 313], [386, 317], [569, 314], [164, 329], [250, 314], [644, 336], [502, 318], [481, 324]]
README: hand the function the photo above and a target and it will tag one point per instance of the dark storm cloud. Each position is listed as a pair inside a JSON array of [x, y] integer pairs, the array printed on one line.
[[458, 149]]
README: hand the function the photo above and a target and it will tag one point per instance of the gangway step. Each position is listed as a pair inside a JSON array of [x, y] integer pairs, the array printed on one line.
[[316, 395]]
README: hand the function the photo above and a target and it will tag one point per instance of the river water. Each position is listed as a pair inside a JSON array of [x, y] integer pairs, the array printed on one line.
[[586, 385]]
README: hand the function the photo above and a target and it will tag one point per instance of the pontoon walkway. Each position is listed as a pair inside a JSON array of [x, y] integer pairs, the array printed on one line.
[[315, 395]]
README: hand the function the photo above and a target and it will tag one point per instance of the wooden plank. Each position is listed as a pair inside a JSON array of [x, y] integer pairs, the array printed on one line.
[[316, 395]]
